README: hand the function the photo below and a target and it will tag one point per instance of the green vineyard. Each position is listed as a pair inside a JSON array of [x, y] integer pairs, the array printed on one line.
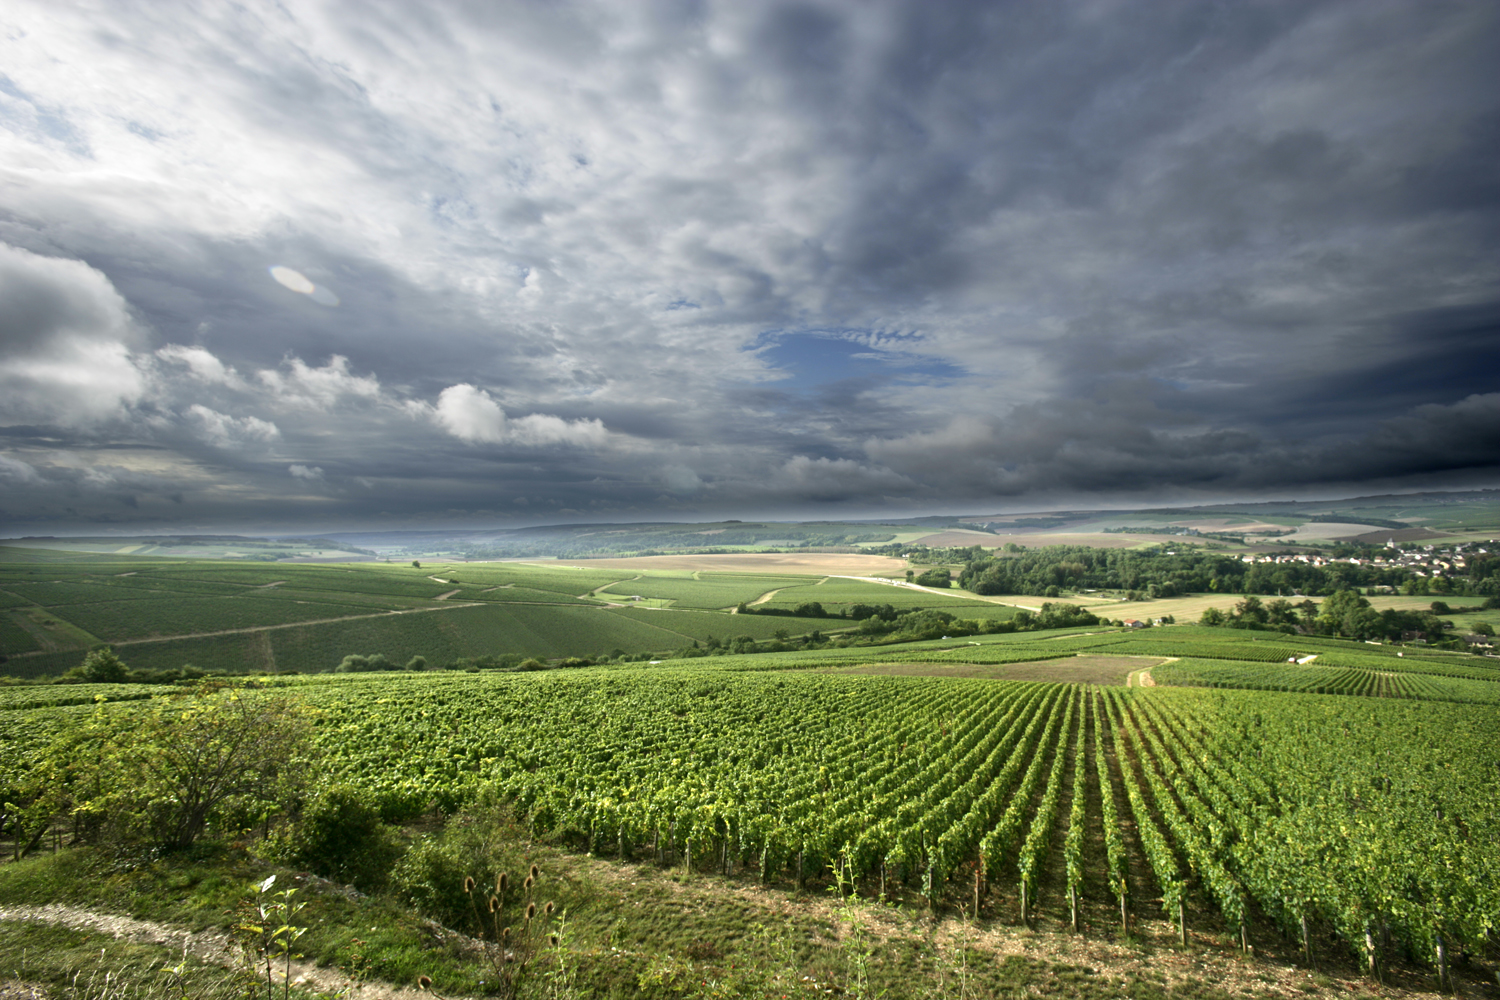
[[1370, 819]]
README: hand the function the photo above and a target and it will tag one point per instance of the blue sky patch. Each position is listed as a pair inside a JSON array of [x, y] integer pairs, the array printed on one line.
[[811, 360]]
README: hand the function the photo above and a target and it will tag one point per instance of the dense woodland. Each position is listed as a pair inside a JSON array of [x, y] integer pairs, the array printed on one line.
[[1162, 572]]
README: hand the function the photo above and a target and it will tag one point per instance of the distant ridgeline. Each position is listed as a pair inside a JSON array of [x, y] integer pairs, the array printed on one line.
[[583, 541], [1378, 522], [1158, 573]]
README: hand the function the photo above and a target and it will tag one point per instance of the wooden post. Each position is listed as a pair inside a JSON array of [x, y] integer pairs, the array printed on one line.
[[1306, 942], [1124, 917], [1182, 922], [1023, 901], [976, 892], [1073, 906], [1445, 985]]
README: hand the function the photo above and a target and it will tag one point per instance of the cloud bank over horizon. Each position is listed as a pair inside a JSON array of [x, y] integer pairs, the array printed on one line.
[[299, 269]]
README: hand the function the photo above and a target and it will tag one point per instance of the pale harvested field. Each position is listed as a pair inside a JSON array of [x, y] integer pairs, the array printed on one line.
[[1112, 670], [1404, 603], [1330, 530], [790, 563], [1185, 609], [1235, 524], [1378, 536], [1036, 540]]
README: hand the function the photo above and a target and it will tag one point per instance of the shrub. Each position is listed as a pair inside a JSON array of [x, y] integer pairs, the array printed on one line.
[[480, 841], [355, 663], [340, 836], [101, 666]]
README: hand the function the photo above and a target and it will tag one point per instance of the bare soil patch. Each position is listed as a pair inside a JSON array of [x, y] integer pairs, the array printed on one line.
[[1073, 670], [795, 563]]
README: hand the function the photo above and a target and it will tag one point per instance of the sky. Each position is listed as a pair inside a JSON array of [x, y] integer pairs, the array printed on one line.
[[288, 267]]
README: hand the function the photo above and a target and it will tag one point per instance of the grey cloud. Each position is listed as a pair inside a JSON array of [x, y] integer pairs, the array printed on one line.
[[65, 337], [1174, 247]]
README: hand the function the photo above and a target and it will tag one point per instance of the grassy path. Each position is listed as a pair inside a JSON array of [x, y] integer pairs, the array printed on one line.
[[213, 947]]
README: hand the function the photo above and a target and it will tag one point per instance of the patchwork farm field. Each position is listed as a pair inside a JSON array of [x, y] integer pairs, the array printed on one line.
[[164, 614], [1007, 791], [774, 563], [699, 590]]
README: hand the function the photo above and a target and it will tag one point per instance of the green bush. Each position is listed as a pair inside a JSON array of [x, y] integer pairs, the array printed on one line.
[[354, 663], [937, 577], [101, 666], [340, 836], [479, 842]]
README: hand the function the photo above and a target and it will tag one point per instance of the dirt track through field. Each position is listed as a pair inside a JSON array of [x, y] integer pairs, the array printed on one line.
[[447, 606], [213, 947]]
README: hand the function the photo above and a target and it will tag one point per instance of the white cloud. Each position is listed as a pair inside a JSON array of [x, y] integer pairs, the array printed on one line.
[[202, 365], [302, 386], [65, 338], [224, 431], [543, 428], [306, 473], [471, 414]]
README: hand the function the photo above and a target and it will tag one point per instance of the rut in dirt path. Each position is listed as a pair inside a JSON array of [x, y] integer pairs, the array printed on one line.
[[213, 947]]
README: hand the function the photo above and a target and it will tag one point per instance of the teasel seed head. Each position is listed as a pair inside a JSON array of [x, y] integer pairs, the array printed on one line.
[[501, 883], [424, 982], [536, 873], [468, 885], [530, 910], [526, 885], [552, 939], [494, 903], [549, 908], [505, 934]]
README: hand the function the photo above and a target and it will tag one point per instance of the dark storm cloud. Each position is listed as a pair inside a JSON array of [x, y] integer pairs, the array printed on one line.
[[1070, 250]]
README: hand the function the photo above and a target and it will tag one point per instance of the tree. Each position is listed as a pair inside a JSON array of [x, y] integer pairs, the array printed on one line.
[[169, 772], [103, 666], [1250, 609], [416, 564], [1484, 628], [938, 576]]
